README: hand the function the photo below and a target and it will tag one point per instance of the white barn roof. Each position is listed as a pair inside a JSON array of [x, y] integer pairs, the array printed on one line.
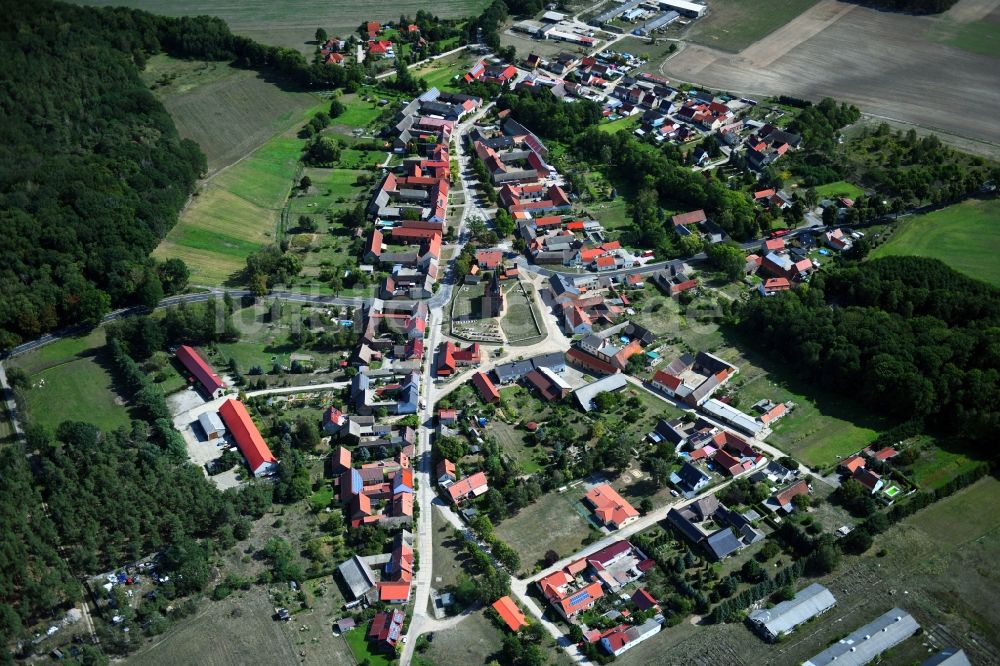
[[783, 618]]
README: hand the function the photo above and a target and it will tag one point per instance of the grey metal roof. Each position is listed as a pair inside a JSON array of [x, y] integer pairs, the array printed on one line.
[[509, 372], [869, 641], [723, 543], [685, 526], [585, 395], [783, 618], [553, 360], [358, 576], [948, 657]]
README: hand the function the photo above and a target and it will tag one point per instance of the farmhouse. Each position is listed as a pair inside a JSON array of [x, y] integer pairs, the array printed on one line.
[[451, 357], [202, 371], [386, 629], [674, 280], [693, 380], [248, 438], [782, 499], [773, 623], [446, 472], [487, 390], [734, 533], [609, 507], [866, 643], [729, 415], [550, 386]]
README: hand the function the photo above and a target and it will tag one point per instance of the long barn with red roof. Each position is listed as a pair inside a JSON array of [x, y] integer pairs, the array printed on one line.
[[249, 440], [201, 371]]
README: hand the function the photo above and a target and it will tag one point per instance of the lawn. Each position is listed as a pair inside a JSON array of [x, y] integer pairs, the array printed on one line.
[[841, 188], [71, 381], [612, 215], [553, 522], [937, 466], [965, 236], [518, 322], [358, 112], [229, 112], [361, 650], [948, 521], [622, 124], [822, 428], [733, 25], [514, 443]]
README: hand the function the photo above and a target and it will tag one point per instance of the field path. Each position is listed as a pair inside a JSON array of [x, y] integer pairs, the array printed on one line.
[[807, 25]]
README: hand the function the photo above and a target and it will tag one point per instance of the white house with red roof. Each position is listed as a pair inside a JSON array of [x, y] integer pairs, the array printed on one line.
[[609, 507], [468, 488], [624, 637]]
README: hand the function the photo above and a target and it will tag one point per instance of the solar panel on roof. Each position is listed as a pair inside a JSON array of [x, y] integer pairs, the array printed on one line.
[[394, 632], [579, 597]]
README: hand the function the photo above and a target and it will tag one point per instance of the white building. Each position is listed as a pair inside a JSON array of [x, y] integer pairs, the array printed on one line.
[[212, 425]]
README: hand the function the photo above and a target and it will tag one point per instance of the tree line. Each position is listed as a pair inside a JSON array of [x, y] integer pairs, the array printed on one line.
[[92, 170], [906, 333]]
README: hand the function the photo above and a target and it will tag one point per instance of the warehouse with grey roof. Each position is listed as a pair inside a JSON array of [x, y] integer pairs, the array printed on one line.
[[864, 644], [811, 601]]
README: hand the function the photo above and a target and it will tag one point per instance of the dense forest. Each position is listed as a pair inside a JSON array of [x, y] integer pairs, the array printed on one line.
[[92, 171], [911, 6], [908, 334]]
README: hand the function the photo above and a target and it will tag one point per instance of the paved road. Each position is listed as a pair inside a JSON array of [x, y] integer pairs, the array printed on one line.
[[299, 389]]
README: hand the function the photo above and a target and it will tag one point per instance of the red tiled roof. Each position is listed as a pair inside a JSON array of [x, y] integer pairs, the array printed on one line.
[[485, 387], [786, 495], [693, 217], [590, 362], [853, 463], [885, 454], [197, 366], [610, 507], [666, 379], [509, 613], [248, 438], [393, 591], [727, 463], [474, 485], [643, 599]]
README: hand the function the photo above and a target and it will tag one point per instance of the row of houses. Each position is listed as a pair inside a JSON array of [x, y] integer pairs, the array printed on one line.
[[390, 586], [385, 323]]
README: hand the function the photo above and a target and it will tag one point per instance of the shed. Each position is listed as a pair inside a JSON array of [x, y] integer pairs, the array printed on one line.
[[212, 425]]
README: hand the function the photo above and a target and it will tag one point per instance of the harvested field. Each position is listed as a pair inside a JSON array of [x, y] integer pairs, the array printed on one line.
[[238, 630], [293, 23], [229, 112], [880, 61], [735, 24]]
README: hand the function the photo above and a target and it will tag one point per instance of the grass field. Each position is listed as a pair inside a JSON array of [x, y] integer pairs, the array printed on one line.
[[70, 380], [473, 642], [734, 25], [839, 189], [937, 466], [238, 630], [229, 112], [551, 523], [293, 23], [236, 213], [965, 236], [977, 37], [518, 322], [822, 429]]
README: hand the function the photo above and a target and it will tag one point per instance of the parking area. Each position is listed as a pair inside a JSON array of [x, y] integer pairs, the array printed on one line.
[[200, 449]]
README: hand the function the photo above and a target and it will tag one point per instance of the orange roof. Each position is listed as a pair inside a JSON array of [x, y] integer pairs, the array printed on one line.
[[485, 387], [593, 592], [393, 591], [248, 438], [603, 262], [853, 463], [550, 584], [589, 254], [344, 457], [509, 613], [197, 366], [610, 507]]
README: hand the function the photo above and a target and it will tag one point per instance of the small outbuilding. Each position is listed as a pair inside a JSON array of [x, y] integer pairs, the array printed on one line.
[[212, 425]]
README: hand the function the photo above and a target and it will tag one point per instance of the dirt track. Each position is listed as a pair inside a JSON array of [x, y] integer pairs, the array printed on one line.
[[880, 61]]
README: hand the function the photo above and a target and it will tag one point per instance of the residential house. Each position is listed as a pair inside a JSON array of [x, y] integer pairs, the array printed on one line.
[[509, 613], [872, 481], [359, 578], [674, 279], [468, 488], [609, 507], [446, 473], [624, 637], [334, 420], [386, 630], [689, 479]]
